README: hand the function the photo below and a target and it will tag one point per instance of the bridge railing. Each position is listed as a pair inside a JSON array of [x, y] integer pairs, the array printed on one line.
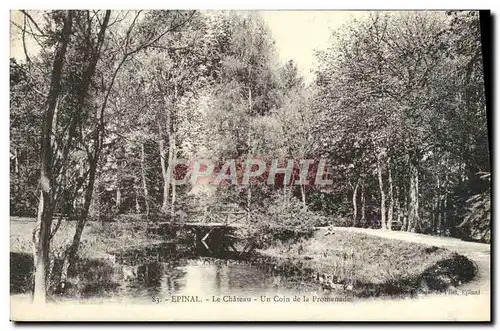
[[239, 215]]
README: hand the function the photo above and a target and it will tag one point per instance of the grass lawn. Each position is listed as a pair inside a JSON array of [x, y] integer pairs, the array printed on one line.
[[374, 266], [98, 240]]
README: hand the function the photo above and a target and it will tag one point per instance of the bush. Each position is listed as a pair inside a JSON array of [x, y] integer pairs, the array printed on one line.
[[477, 222], [339, 221], [281, 222]]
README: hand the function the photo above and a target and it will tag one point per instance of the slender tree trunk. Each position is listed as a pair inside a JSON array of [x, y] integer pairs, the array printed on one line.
[[363, 205], [83, 217], [41, 235], [439, 216], [174, 189], [413, 219], [166, 185], [445, 221], [354, 204], [416, 204], [92, 54], [172, 148], [410, 206], [405, 211], [163, 154], [171, 145], [71, 253], [285, 194], [390, 212], [437, 207], [144, 182], [118, 201], [97, 202], [397, 202], [16, 162], [382, 193], [118, 197], [249, 188], [136, 190], [303, 195], [16, 171]]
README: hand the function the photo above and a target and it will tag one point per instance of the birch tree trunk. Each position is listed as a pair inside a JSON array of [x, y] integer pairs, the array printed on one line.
[[16, 162], [118, 201], [445, 204], [405, 211], [172, 148], [118, 197], [136, 190], [398, 206], [164, 164], [354, 204], [249, 189], [382, 193], [363, 205], [390, 212], [41, 234], [413, 217], [437, 206], [144, 182], [16, 170], [172, 159], [303, 195], [164, 171]]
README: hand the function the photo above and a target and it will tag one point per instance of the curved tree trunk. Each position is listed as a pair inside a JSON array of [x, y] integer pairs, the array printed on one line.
[[41, 235], [82, 220], [71, 253]]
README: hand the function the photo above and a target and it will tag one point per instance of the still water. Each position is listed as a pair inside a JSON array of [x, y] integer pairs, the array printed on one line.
[[229, 280], [165, 279]]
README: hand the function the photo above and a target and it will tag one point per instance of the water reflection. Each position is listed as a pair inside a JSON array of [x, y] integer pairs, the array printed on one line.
[[194, 277], [141, 276]]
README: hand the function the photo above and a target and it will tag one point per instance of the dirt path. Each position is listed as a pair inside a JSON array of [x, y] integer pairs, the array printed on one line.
[[477, 252]]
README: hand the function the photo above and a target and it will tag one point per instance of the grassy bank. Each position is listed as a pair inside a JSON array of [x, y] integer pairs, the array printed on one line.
[[98, 240], [371, 266], [94, 269], [362, 264]]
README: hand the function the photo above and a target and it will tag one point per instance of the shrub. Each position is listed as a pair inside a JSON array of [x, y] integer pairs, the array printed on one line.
[[476, 224], [281, 222]]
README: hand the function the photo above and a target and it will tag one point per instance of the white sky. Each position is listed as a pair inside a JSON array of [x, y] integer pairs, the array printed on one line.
[[299, 33]]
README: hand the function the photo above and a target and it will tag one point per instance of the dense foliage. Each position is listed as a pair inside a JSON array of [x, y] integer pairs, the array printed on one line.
[[110, 99]]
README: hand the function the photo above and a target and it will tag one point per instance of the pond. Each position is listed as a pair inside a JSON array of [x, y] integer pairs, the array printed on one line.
[[163, 275], [201, 279]]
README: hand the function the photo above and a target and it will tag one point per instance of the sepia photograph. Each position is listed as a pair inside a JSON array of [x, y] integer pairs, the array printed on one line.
[[242, 166]]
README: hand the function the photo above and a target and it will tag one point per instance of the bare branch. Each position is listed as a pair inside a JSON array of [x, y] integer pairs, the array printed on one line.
[[34, 23]]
